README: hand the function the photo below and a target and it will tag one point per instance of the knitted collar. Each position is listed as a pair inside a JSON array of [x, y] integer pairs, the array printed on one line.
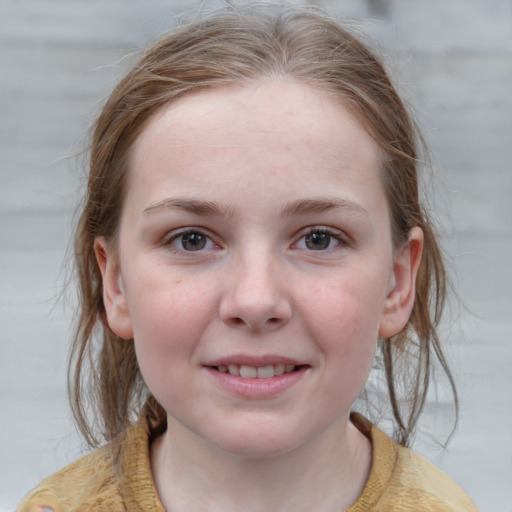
[[139, 491]]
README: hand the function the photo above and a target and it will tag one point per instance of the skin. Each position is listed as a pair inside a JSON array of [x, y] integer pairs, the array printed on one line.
[[254, 172]]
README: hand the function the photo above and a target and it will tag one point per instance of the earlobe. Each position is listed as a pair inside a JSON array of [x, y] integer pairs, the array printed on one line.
[[401, 294], [114, 298]]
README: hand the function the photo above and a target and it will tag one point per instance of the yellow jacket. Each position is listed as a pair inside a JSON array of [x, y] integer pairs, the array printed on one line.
[[117, 478]]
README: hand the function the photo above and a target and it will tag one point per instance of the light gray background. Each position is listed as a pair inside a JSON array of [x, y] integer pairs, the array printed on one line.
[[58, 61]]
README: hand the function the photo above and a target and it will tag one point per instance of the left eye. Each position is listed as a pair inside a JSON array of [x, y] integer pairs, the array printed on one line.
[[191, 241], [319, 241]]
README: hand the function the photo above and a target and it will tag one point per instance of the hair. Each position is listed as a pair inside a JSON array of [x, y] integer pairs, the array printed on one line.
[[237, 47]]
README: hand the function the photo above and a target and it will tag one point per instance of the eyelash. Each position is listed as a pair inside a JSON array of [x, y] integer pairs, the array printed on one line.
[[329, 232], [320, 230], [175, 237]]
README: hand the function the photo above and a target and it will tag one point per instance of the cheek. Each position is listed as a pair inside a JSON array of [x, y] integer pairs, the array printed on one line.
[[169, 318], [347, 306], [343, 318]]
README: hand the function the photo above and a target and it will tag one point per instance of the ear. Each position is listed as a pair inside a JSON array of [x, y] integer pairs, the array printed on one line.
[[114, 299], [401, 294]]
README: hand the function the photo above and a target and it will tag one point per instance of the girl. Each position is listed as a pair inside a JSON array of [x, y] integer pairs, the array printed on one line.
[[250, 237]]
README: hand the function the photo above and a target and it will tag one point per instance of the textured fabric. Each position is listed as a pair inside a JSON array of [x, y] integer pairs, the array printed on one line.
[[117, 478], [402, 481]]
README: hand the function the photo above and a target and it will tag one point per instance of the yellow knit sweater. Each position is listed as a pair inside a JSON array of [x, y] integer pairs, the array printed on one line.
[[117, 478]]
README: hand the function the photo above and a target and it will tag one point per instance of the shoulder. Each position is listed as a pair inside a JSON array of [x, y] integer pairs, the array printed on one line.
[[422, 481], [402, 480], [114, 478], [89, 483]]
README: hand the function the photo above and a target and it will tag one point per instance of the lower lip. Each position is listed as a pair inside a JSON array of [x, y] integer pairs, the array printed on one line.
[[257, 388]]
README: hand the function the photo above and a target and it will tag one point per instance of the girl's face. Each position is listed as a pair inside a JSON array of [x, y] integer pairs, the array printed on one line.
[[255, 268]]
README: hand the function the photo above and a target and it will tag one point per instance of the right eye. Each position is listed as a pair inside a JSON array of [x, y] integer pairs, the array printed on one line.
[[191, 241]]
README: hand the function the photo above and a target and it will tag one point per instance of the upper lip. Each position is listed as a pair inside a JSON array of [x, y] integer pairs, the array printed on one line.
[[252, 360]]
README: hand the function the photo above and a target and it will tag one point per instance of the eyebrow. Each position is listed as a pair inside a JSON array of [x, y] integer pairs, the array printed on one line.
[[195, 206], [320, 205], [298, 207]]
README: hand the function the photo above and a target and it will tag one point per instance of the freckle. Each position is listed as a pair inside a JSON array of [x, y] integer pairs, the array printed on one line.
[[178, 282]]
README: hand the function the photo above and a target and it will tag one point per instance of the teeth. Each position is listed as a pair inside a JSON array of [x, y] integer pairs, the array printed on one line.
[[248, 372], [279, 369], [253, 372], [266, 372]]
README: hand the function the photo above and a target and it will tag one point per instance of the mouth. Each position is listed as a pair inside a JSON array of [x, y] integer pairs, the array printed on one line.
[[258, 372], [257, 377]]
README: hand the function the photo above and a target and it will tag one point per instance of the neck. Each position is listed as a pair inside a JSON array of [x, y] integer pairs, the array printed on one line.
[[327, 473]]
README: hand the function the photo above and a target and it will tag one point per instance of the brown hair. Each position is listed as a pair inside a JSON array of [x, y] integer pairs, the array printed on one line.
[[237, 46]]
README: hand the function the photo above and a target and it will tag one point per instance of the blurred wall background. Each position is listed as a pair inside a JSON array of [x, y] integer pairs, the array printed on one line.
[[59, 60]]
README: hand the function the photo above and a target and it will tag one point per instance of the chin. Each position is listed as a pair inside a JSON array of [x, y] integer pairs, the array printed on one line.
[[258, 443]]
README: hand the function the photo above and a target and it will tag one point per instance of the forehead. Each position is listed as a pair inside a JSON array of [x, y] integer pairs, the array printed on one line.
[[286, 133]]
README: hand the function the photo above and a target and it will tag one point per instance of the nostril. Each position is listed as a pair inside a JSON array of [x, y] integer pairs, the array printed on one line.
[[237, 321]]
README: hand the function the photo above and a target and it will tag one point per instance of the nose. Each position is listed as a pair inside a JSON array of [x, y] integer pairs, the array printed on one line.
[[255, 296]]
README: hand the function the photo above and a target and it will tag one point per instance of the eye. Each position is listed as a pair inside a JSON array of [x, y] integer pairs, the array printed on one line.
[[191, 241], [320, 239]]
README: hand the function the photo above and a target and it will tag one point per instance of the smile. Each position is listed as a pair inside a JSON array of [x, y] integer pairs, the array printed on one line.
[[256, 372], [263, 381]]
